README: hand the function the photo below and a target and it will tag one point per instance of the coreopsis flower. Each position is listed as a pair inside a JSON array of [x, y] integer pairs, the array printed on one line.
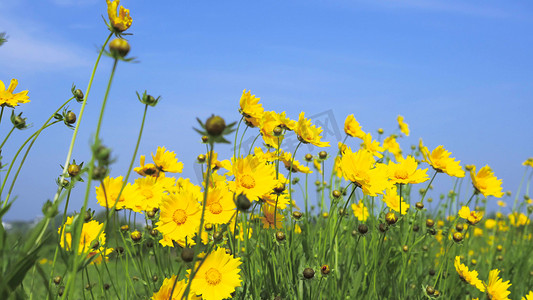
[[471, 216], [390, 144], [360, 168], [371, 146], [92, 239], [317, 165], [179, 216], [360, 211], [107, 194], [166, 288], [405, 171], [441, 161], [352, 127], [118, 17], [217, 276], [293, 165], [146, 169], [392, 200], [309, 134], [528, 162], [490, 223], [166, 161], [9, 98], [269, 121], [219, 206], [253, 177], [267, 156], [471, 277], [478, 232], [287, 123], [518, 219], [251, 109], [240, 230], [272, 217], [486, 183], [297, 229], [496, 288], [404, 128], [151, 191], [528, 296]]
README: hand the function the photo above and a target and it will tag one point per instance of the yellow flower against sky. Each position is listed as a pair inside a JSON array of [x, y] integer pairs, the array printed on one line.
[[404, 128], [528, 162], [146, 169], [309, 134], [107, 193], [392, 199], [217, 276], [497, 289], [294, 165], [472, 217], [390, 144], [371, 145], [486, 183], [360, 168], [9, 98], [470, 277], [251, 109], [360, 211], [441, 161], [406, 171], [269, 121], [150, 192], [91, 234], [166, 161], [352, 127], [253, 177], [118, 17]]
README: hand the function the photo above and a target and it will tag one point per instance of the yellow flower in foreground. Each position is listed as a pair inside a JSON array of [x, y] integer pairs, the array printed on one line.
[[496, 288], [528, 296], [217, 276], [360, 211], [468, 276], [486, 183], [253, 177], [359, 168], [220, 207], [441, 161], [392, 200], [269, 219], [405, 171], [107, 194], [7, 97], [251, 109], [309, 134], [166, 289], [404, 128], [166, 161], [179, 216], [119, 17], [352, 127], [286, 158], [472, 217], [91, 241], [528, 162]]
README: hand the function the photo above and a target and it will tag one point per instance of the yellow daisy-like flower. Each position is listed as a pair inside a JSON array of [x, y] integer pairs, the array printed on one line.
[[217, 276], [471, 216], [486, 183], [404, 128], [405, 171], [9, 98], [219, 206], [496, 288], [390, 144], [151, 191], [253, 177], [360, 211], [527, 163], [518, 219], [501, 203], [179, 216], [392, 200], [107, 194], [309, 134], [251, 109], [166, 161], [528, 296], [490, 223], [286, 122], [166, 289], [441, 161], [478, 232], [470, 277], [352, 127], [271, 218], [91, 241], [146, 169], [119, 17], [282, 200], [286, 158], [372, 145], [359, 168], [269, 121]]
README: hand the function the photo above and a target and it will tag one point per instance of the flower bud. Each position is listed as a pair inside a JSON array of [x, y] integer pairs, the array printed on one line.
[[205, 139], [280, 236], [57, 280], [325, 270], [322, 154], [119, 48], [187, 254], [124, 228], [362, 228], [419, 205], [381, 131], [405, 248], [430, 223], [99, 172], [308, 273], [382, 227], [150, 214], [136, 236], [391, 218], [336, 194], [215, 125], [73, 170], [457, 237], [201, 158], [277, 131], [430, 290], [70, 117], [308, 157], [154, 232], [459, 227], [297, 215], [19, 122], [243, 203]]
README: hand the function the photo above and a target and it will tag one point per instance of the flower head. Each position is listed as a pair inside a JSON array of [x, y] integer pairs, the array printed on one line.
[[107, 194], [119, 17], [166, 161], [360, 211], [309, 134], [404, 128], [166, 288], [405, 171], [9, 98], [472, 217], [496, 288], [371, 145], [486, 183], [392, 200], [528, 162], [92, 239], [272, 217], [361, 169], [217, 276], [390, 144], [251, 109], [441, 161], [179, 216], [468, 276], [253, 177], [220, 207], [518, 219], [352, 127]]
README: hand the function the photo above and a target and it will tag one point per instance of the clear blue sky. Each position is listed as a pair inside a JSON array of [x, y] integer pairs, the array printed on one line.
[[460, 72]]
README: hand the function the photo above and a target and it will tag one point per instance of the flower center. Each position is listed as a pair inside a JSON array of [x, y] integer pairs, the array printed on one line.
[[179, 216], [215, 208], [247, 181], [401, 174], [213, 276]]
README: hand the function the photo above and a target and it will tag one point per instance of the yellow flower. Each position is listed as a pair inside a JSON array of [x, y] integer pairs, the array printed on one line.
[[392, 200], [528, 162], [390, 144], [486, 183], [7, 97], [166, 289], [478, 232], [179, 216], [360, 211], [359, 168], [371, 145], [496, 288], [472, 217], [286, 158], [269, 121], [166, 161], [297, 229], [120, 18], [490, 223], [501, 203], [253, 177], [251, 109], [269, 217], [146, 169], [518, 219], [220, 207], [309, 134], [528, 296], [352, 127], [404, 128], [441, 161], [107, 193], [151, 191], [468, 276], [405, 171], [92, 239], [217, 276]]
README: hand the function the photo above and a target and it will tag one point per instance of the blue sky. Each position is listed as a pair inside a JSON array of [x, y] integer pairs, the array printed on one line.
[[460, 72]]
